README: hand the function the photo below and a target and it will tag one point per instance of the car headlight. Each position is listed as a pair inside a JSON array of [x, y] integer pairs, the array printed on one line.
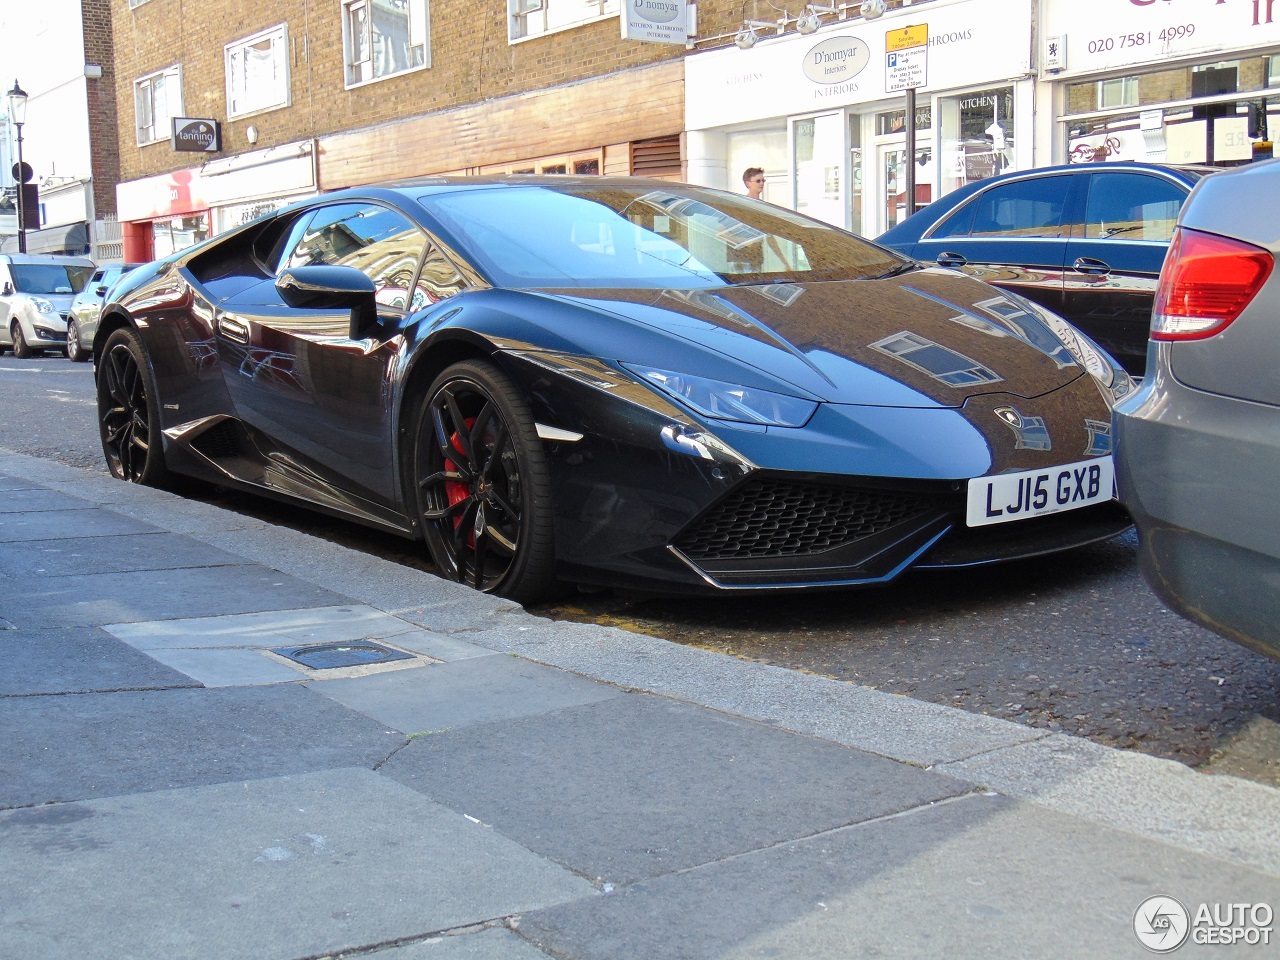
[[42, 305], [728, 401], [1101, 367]]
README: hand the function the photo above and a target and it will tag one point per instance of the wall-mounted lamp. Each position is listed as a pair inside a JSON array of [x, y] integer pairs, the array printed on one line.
[[872, 9], [809, 21], [747, 37], [251, 134]]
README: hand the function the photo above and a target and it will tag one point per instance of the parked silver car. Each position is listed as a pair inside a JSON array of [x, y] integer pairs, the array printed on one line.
[[1198, 446], [86, 308], [35, 300]]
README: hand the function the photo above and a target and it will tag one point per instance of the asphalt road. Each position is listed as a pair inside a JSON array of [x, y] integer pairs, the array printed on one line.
[[1075, 643]]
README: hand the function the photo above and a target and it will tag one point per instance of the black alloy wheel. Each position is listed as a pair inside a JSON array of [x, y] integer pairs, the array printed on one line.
[[75, 352], [21, 349], [481, 484], [128, 414]]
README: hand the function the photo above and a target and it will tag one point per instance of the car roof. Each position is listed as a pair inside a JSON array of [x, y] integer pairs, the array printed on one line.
[[29, 258]]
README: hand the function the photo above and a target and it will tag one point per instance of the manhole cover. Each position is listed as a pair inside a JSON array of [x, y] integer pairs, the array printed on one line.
[[327, 656]]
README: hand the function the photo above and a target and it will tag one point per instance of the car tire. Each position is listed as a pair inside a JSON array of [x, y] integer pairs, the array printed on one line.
[[129, 413], [75, 352], [481, 485], [21, 349]]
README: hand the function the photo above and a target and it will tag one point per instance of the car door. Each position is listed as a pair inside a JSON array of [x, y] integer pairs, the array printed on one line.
[[296, 374], [1114, 260], [1013, 234]]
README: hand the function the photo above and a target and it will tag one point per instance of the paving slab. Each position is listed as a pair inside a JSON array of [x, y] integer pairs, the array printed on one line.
[[491, 943], [77, 556], [112, 598], [449, 696], [62, 524], [979, 877], [637, 786], [1219, 815], [58, 748], [77, 660], [28, 499], [299, 866]]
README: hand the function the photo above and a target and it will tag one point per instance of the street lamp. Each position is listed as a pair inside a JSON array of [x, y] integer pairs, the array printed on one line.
[[18, 114]]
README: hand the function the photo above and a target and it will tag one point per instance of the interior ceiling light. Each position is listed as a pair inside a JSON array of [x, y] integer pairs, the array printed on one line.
[[747, 37], [809, 21]]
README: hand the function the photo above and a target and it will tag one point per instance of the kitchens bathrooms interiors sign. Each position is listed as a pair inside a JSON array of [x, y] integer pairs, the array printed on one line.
[[655, 21], [195, 135]]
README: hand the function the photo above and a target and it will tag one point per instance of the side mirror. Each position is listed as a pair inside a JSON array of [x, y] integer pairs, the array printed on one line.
[[332, 288], [8, 289], [100, 290]]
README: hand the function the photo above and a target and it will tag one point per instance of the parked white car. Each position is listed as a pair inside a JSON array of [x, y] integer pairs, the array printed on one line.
[[35, 300]]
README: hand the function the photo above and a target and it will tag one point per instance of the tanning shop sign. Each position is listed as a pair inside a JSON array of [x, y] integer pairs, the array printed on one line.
[[195, 135], [656, 21]]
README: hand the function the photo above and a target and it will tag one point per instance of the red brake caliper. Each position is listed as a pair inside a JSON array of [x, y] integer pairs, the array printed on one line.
[[456, 490]]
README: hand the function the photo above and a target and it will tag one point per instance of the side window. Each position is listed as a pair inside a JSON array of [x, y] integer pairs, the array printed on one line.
[[377, 241], [437, 281], [1132, 206], [1021, 208], [957, 225]]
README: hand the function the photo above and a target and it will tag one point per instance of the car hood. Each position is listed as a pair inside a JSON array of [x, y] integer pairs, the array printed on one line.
[[930, 338], [61, 301]]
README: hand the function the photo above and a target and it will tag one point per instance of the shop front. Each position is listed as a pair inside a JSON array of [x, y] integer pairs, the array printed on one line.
[[161, 214], [819, 114], [1176, 81]]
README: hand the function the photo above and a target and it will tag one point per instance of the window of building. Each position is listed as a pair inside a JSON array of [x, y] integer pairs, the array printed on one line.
[[258, 72], [532, 18], [157, 99], [382, 38], [1118, 92]]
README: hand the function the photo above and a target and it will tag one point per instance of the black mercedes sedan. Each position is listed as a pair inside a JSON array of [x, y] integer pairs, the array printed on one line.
[[612, 381], [1085, 240]]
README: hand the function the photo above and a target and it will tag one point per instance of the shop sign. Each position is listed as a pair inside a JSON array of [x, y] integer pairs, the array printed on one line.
[[836, 60], [969, 42], [1109, 34], [655, 21], [195, 135]]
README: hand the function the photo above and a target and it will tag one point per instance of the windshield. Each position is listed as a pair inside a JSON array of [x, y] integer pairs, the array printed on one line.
[[50, 277], [624, 235]]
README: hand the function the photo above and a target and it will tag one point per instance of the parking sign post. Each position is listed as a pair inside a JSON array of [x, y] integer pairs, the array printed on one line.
[[906, 52]]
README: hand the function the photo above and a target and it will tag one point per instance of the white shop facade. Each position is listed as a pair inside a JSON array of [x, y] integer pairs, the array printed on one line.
[[818, 113]]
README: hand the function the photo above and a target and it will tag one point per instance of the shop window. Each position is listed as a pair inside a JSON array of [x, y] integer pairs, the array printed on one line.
[[258, 72], [977, 136], [177, 233], [533, 18], [382, 38], [157, 99]]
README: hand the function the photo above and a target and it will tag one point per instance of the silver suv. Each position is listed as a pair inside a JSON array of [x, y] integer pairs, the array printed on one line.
[[35, 300]]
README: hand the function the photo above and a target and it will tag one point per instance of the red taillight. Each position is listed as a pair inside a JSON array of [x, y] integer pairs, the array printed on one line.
[[1207, 281]]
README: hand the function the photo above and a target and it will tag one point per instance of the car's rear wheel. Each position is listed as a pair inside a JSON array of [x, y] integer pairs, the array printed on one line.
[[481, 484], [75, 352], [21, 349], [128, 412]]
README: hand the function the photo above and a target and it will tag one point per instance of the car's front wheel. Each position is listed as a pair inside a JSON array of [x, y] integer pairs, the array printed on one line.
[[482, 488], [21, 349], [75, 352], [128, 412]]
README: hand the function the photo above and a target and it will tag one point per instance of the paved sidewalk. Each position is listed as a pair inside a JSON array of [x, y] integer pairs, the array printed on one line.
[[172, 785]]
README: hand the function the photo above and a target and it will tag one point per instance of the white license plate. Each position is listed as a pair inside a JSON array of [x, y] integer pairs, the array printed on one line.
[[1037, 493]]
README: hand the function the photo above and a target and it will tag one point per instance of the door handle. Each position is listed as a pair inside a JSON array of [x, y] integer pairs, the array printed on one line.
[[233, 328], [951, 260], [1094, 268]]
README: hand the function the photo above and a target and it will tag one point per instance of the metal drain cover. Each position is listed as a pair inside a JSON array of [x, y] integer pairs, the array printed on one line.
[[327, 656]]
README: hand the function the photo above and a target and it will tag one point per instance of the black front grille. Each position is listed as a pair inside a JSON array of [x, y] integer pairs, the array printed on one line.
[[781, 518]]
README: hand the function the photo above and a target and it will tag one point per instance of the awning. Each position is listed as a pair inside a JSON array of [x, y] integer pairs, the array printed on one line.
[[71, 238]]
